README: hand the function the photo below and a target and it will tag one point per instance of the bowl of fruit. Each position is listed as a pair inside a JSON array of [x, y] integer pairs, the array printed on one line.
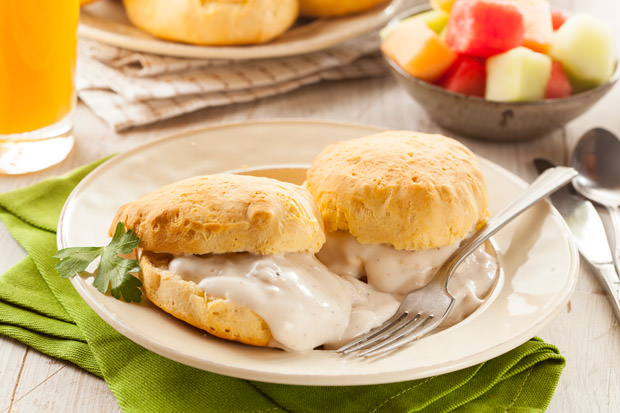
[[500, 69]]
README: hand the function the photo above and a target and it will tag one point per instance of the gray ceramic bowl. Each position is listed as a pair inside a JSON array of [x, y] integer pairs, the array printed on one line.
[[498, 121]]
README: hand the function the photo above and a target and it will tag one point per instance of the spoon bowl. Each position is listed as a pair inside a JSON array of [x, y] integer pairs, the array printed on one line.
[[597, 159]]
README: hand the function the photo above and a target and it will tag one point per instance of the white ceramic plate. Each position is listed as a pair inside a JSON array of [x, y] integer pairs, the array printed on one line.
[[107, 22], [539, 263]]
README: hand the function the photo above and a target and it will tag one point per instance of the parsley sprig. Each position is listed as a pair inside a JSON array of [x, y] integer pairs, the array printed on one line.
[[114, 272]]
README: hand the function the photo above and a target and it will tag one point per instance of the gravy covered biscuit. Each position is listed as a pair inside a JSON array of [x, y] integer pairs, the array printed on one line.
[[396, 205], [213, 22], [234, 255]]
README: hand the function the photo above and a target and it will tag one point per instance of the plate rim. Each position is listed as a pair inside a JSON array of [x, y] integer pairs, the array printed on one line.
[[275, 377], [267, 50]]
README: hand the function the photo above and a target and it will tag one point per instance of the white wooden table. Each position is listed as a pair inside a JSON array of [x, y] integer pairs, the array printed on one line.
[[586, 332]]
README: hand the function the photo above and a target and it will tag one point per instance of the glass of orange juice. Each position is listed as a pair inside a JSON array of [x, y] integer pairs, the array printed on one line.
[[38, 41]]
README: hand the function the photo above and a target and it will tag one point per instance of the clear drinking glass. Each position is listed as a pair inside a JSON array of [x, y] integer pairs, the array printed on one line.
[[38, 42]]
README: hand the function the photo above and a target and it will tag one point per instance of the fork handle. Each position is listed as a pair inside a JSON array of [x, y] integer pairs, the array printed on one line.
[[546, 183]]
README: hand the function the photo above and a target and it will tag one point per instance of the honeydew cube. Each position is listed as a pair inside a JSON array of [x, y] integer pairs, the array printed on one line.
[[484, 27], [584, 46], [436, 20], [520, 74], [418, 50], [443, 34], [538, 23], [443, 5]]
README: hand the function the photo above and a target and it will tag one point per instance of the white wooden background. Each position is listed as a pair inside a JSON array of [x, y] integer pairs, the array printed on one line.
[[585, 331]]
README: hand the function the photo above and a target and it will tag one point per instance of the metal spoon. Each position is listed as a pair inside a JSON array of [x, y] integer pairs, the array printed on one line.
[[597, 159]]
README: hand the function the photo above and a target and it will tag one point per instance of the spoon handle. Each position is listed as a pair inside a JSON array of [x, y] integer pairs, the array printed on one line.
[[614, 242]]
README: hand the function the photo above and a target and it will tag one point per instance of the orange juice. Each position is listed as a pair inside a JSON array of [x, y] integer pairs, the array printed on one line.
[[37, 60]]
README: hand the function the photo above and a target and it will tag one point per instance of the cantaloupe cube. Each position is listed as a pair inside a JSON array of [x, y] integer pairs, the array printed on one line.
[[418, 50], [584, 46], [537, 21], [466, 76], [520, 74], [484, 27], [558, 85], [437, 20], [443, 5]]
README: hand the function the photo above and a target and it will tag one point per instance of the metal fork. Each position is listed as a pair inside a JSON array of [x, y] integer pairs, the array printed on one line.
[[423, 310]]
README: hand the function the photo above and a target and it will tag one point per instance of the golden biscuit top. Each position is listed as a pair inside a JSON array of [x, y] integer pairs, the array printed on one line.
[[331, 8], [411, 190], [225, 213], [213, 22]]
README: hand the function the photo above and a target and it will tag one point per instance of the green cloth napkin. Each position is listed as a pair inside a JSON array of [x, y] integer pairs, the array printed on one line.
[[42, 310]]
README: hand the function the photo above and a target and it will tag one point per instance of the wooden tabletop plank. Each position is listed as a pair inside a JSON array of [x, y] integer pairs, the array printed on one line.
[[64, 387], [12, 357]]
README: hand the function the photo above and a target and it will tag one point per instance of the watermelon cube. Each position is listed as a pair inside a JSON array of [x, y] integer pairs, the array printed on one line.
[[443, 5], [484, 27], [558, 85], [584, 46], [520, 74], [557, 19], [418, 50], [467, 76], [537, 22]]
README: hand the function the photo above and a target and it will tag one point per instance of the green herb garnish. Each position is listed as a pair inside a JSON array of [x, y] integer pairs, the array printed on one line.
[[114, 273]]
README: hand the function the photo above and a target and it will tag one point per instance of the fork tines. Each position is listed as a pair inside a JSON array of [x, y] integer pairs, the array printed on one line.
[[395, 332]]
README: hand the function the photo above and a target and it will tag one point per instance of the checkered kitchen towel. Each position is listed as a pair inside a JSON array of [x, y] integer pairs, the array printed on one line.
[[128, 89]]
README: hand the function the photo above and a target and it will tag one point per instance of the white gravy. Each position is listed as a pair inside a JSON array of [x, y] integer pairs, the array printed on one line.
[[400, 271], [304, 304], [384, 267], [471, 284]]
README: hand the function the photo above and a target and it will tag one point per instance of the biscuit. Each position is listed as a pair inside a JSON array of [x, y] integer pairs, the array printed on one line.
[[186, 301], [213, 22], [225, 213], [331, 8], [410, 190]]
